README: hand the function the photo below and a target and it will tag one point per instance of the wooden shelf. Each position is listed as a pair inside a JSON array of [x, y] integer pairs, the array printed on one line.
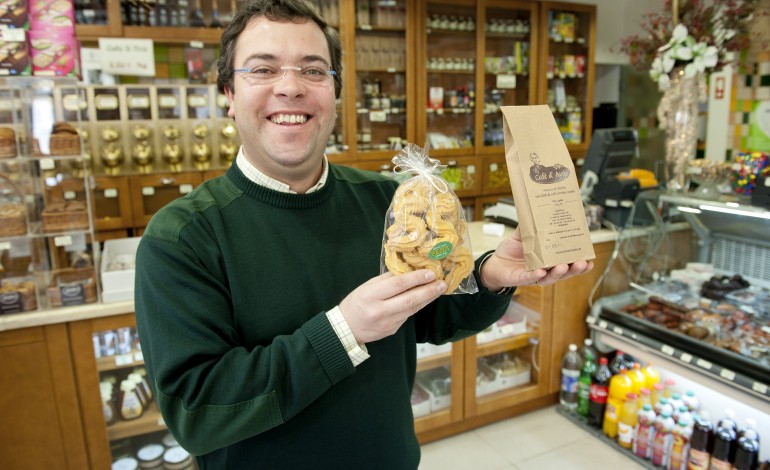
[[504, 344], [432, 362], [150, 421], [120, 361]]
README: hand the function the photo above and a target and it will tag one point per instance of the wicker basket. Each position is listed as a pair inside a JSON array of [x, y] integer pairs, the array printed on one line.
[[72, 287], [13, 215], [65, 144], [59, 216]]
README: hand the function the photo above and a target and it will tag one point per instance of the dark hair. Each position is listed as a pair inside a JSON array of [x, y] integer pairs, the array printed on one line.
[[274, 10]]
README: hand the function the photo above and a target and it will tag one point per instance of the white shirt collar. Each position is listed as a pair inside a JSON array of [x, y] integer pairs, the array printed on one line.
[[262, 179]]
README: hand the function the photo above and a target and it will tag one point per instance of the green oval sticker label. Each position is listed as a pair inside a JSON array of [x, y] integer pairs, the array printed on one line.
[[440, 251]]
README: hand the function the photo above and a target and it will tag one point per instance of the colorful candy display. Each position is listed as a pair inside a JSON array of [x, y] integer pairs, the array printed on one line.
[[747, 167]]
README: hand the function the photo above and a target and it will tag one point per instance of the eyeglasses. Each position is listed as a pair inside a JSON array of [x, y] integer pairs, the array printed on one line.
[[266, 74]]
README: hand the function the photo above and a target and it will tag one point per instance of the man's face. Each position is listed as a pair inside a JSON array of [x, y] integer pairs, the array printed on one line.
[[284, 125]]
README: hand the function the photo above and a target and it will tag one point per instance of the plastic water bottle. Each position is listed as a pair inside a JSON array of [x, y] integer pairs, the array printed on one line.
[[570, 373]]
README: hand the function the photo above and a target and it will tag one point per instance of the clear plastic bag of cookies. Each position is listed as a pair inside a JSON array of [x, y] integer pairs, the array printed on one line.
[[425, 225]]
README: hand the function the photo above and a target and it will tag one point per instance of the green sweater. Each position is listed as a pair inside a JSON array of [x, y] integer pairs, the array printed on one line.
[[232, 284]]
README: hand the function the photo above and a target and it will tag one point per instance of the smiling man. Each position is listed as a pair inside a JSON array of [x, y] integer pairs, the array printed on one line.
[[269, 337]]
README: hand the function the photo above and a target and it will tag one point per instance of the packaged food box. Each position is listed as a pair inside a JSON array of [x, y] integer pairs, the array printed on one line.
[[117, 269]]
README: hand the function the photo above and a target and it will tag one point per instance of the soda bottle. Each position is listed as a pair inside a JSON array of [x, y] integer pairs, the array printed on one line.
[[701, 443], [725, 443], [618, 363], [644, 432], [680, 446], [597, 396], [584, 383], [652, 375], [570, 373], [620, 386], [747, 454], [692, 402], [629, 361], [638, 381], [588, 348], [627, 421], [663, 438]]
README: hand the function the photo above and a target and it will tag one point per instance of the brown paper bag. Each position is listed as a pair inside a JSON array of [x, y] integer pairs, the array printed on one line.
[[545, 189]]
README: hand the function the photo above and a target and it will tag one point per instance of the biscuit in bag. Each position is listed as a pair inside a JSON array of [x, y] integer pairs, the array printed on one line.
[[425, 225]]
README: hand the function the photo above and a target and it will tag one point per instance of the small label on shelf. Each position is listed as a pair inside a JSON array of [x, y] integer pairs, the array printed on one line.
[[470, 169], [47, 164], [69, 195], [5, 246], [185, 188], [603, 324], [666, 349], [506, 81], [124, 360], [704, 364], [110, 193], [13, 34], [63, 240], [366, 27], [391, 70], [685, 358], [727, 374], [378, 116], [138, 356], [759, 387], [148, 190], [618, 330], [196, 44]]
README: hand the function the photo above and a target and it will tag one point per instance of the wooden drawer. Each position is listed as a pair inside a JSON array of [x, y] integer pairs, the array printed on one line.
[[151, 192], [112, 203]]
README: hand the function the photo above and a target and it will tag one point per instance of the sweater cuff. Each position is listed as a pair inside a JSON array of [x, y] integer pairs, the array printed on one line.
[[477, 273], [332, 355]]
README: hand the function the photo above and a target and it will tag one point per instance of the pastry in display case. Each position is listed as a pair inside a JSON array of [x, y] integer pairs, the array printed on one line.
[[46, 240]]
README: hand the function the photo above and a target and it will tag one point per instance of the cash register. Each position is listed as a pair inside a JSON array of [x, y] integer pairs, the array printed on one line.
[[607, 177]]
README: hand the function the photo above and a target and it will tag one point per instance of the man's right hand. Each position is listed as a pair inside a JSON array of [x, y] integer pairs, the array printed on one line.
[[380, 306]]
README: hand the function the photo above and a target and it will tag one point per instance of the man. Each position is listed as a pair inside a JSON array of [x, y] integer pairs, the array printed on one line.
[[268, 335]]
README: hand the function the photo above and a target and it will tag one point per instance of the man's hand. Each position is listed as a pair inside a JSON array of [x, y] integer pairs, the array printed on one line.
[[506, 267], [380, 306]]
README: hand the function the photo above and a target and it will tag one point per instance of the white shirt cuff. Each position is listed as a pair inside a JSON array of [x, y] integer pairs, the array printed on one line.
[[356, 352]]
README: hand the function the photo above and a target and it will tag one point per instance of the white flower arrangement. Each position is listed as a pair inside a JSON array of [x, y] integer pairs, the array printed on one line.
[[682, 49]]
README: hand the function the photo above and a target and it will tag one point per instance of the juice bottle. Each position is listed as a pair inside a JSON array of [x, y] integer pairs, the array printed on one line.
[[680, 446], [620, 386], [645, 397], [661, 442], [683, 414], [663, 406], [651, 374], [600, 382], [692, 402], [701, 443], [676, 401], [584, 382], [669, 387], [627, 421], [725, 440], [643, 434], [657, 393], [638, 380]]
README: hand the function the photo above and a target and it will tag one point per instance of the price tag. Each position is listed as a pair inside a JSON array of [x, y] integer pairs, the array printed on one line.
[[366, 27], [185, 188], [618, 330], [440, 111], [110, 193], [704, 364], [63, 240], [5, 246], [391, 70], [603, 324], [666, 349], [685, 358], [611, 202], [493, 167], [138, 356], [196, 44], [138, 102], [591, 320], [148, 191], [759, 387], [727, 374], [470, 169], [69, 195], [124, 360], [394, 110], [378, 116], [505, 81]]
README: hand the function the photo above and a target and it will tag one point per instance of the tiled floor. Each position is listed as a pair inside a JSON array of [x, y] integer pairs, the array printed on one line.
[[540, 440]]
